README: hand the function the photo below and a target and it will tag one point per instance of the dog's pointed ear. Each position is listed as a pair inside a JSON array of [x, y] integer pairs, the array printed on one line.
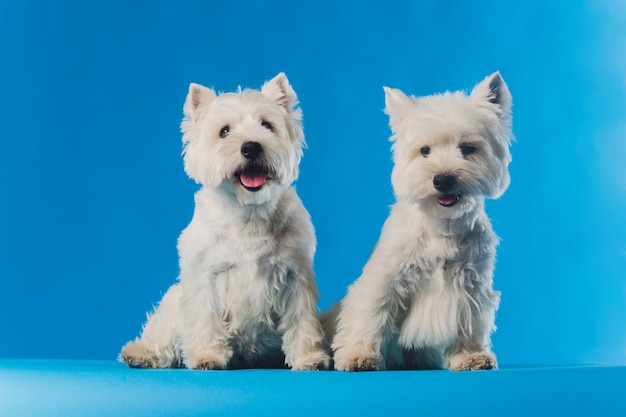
[[494, 90], [279, 90], [395, 100], [197, 97], [397, 104]]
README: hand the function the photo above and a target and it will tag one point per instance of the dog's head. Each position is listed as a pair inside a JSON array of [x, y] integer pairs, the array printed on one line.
[[248, 143], [451, 150]]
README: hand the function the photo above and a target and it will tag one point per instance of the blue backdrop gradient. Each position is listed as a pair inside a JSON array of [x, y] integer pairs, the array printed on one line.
[[93, 194]]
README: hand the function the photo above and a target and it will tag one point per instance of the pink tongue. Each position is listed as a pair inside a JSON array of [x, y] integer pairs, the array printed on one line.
[[252, 180], [447, 199]]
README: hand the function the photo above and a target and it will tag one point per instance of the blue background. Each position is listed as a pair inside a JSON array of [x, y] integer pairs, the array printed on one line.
[[93, 193]]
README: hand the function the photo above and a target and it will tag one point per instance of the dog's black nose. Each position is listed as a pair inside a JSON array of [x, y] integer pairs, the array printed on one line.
[[251, 150], [443, 182]]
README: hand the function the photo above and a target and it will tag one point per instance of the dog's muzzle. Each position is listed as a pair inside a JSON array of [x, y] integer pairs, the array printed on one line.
[[253, 176], [444, 183]]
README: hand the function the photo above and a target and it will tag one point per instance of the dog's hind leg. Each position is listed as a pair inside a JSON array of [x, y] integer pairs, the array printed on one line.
[[158, 345], [328, 319], [368, 322]]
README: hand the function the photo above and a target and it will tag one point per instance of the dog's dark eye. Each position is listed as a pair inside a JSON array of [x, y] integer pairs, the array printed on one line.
[[467, 149], [425, 151], [224, 131], [267, 125]]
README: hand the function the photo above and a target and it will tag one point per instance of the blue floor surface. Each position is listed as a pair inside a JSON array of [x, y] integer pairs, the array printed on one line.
[[106, 388]]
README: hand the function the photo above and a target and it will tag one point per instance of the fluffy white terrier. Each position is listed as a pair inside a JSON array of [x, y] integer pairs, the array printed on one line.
[[246, 295], [425, 297]]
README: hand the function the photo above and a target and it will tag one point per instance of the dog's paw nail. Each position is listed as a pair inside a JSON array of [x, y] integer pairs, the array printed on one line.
[[320, 366], [210, 366], [362, 364]]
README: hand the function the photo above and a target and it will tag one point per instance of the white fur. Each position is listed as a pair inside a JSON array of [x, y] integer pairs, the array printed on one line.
[[246, 295], [425, 297]]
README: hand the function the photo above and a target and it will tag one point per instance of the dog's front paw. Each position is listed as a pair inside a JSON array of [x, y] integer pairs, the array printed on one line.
[[473, 361], [358, 362], [209, 361], [314, 361], [210, 365]]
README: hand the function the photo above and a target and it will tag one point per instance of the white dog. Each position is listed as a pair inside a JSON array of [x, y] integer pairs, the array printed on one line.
[[246, 295], [425, 297]]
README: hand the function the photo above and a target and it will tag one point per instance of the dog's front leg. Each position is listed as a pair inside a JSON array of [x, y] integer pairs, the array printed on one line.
[[205, 339], [470, 355], [472, 349], [304, 344]]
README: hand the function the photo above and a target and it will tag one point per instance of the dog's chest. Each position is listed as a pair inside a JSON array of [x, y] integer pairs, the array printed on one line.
[[432, 318], [245, 264], [431, 269], [426, 261], [243, 269], [217, 248]]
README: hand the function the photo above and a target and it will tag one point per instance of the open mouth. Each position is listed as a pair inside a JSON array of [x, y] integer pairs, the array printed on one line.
[[252, 177], [448, 200]]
